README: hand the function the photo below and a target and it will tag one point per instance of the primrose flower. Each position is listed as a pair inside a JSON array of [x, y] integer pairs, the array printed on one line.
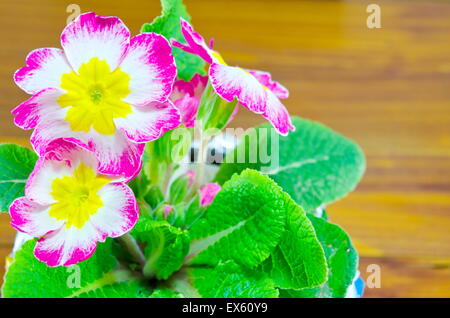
[[253, 89], [105, 90], [208, 193], [186, 96], [70, 206]]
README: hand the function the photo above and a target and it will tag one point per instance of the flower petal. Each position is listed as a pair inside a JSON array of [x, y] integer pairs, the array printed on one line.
[[188, 107], [195, 42], [149, 122], [234, 82], [167, 210], [186, 97], [194, 87], [49, 129], [266, 79], [151, 66], [91, 35], [32, 218], [116, 154], [68, 246], [119, 213], [39, 185], [71, 151], [278, 115], [43, 103], [208, 193], [44, 68]]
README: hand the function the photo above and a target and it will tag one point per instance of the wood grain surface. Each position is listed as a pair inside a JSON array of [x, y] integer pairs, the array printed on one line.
[[388, 89]]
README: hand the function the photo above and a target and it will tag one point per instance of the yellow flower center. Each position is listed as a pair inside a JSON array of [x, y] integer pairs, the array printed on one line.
[[96, 92], [219, 58], [76, 196], [94, 97]]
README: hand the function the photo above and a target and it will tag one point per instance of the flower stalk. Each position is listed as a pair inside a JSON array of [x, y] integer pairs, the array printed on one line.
[[132, 247]]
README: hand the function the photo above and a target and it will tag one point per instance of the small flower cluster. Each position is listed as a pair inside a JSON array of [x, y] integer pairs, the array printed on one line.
[[95, 104]]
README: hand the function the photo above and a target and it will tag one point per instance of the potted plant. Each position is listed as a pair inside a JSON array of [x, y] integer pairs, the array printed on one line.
[[111, 204]]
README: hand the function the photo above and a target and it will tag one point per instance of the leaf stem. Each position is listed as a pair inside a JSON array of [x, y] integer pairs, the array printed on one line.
[[130, 244], [166, 184], [202, 157]]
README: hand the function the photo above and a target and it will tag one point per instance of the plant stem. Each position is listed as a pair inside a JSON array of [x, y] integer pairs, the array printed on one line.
[[166, 184], [130, 244], [202, 156]]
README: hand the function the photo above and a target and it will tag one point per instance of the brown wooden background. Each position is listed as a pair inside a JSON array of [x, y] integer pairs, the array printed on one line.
[[388, 89]]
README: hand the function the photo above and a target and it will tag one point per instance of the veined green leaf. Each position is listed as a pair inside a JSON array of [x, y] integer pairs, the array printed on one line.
[[27, 277], [165, 293], [244, 223], [342, 260], [166, 246], [127, 289], [227, 280], [316, 165], [299, 260], [16, 164]]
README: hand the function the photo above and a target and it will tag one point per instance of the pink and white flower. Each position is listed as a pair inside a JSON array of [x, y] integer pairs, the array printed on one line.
[[105, 90], [253, 89], [208, 192], [186, 97], [70, 206]]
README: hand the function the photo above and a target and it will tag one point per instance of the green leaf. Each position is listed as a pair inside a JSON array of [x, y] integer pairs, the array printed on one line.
[[166, 247], [129, 289], [154, 196], [244, 223], [299, 260], [316, 165], [168, 24], [188, 64], [193, 211], [342, 260], [165, 293], [182, 215], [178, 189], [27, 277], [16, 164], [227, 280]]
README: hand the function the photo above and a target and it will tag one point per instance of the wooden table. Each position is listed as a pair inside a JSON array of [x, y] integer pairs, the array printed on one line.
[[388, 89]]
